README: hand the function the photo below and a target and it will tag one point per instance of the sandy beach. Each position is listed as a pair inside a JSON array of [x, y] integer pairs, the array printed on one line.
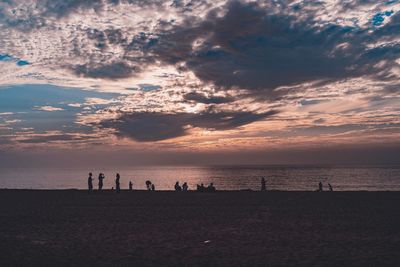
[[75, 228]]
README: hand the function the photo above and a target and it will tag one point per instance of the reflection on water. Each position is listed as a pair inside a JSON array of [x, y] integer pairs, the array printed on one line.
[[224, 178]]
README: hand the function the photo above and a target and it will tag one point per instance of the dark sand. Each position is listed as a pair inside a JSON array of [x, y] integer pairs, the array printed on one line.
[[74, 228]]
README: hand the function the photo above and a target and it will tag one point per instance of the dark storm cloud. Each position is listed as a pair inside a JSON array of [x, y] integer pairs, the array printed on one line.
[[146, 126], [249, 48]]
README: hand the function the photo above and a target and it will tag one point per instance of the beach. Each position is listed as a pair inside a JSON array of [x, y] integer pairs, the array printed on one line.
[[237, 228]]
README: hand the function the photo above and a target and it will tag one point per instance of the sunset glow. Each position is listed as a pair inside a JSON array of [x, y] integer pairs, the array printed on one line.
[[199, 77]]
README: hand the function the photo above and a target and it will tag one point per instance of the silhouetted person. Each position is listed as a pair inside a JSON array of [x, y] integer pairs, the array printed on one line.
[[263, 184], [90, 182], [178, 187], [148, 185], [320, 188], [130, 185], [201, 188], [211, 188], [153, 187], [330, 187], [101, 178], [117, 184], [185, 187]]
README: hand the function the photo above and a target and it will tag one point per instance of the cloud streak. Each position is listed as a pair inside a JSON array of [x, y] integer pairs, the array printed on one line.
[[146, 127]]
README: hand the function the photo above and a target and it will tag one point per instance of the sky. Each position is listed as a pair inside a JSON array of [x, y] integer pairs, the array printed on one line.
[[199, 82]]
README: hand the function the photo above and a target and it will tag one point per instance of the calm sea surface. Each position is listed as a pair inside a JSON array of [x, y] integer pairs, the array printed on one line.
[[372, 178]]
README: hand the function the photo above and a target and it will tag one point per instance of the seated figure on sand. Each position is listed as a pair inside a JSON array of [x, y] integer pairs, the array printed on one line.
[[148, 185], [201, 188], [185, 187], [211, 188]]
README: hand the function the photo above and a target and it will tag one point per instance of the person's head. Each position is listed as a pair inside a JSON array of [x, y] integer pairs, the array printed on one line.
[[117, 175], [90, 174], [211, 184]]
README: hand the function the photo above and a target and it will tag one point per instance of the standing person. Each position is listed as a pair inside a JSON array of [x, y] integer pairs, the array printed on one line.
[[130, 185], [320, 188], [90, 182], [263, 184], [101, 178], [117, 184], [178, 187], [330, 187], [153, 187]]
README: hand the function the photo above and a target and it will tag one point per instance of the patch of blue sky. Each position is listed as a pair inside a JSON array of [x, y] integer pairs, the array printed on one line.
[[296, 7], [10, 58], [148, 87], [22, 102], [390, 2], [379, 18], [22, 62], [5, 57]]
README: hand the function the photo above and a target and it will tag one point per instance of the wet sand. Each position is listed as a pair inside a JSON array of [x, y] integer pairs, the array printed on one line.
[[74, 228]]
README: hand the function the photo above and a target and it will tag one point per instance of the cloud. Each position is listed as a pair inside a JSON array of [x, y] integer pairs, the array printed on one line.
[[48, 108], [115, 70], [250, 45], [201, 98], [37, 139], [186, 59], [146, 126], [252, 49]]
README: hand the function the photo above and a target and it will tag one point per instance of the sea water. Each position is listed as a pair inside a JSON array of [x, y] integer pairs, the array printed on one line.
[[291, 178]]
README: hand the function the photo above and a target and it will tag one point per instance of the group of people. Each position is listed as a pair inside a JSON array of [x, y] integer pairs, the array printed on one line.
[[202, 188], [184, 187], [151, 187], [100, 183]]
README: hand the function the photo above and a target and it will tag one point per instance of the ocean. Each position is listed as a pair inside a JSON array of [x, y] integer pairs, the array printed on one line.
[[288, 178]]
